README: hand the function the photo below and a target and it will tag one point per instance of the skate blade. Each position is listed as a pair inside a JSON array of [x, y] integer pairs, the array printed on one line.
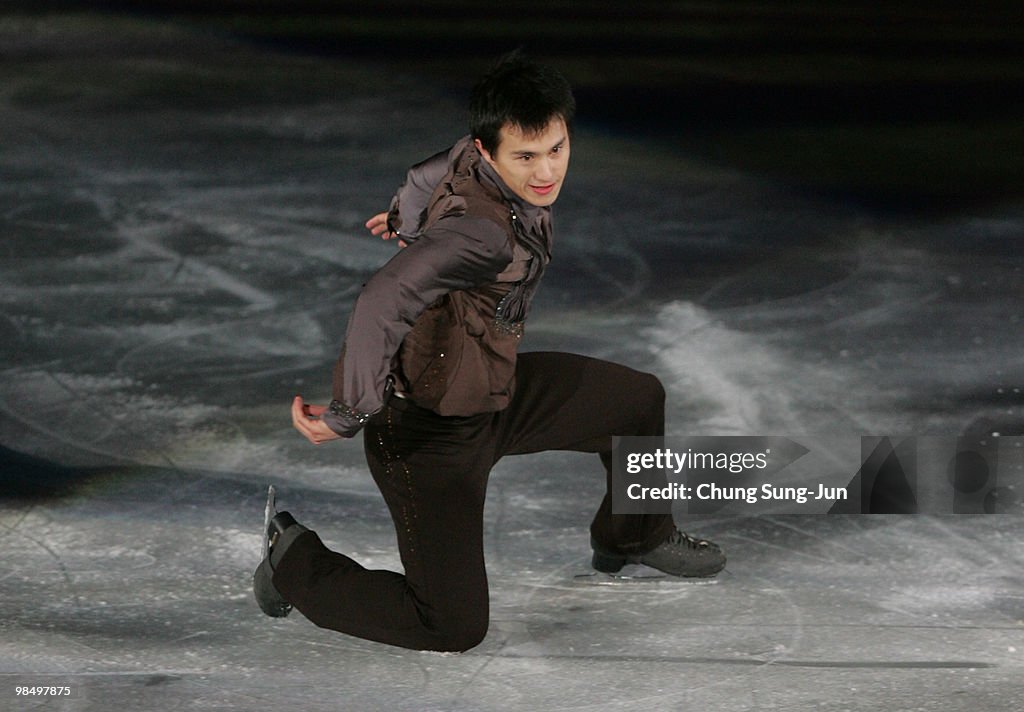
[[268, 514], [638, 574]]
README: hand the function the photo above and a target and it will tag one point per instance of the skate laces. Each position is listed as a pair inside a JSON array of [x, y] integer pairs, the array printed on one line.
[[684, 539]]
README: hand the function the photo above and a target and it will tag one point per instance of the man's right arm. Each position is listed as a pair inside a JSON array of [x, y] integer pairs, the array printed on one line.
[[456, 253], [409, 205]]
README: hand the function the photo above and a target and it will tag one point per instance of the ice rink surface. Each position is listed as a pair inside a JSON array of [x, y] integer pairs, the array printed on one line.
[[182, 237]]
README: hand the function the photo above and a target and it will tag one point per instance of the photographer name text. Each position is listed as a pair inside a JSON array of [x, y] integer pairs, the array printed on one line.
[[750, 495]]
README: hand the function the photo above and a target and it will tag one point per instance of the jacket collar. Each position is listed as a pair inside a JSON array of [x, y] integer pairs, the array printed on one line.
[[534, 218]]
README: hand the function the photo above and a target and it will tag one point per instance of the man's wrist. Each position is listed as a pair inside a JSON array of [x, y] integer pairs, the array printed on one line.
[[343, 419]]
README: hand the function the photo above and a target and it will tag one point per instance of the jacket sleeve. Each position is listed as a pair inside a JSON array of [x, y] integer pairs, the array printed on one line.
[[409, 205], [456, 253]]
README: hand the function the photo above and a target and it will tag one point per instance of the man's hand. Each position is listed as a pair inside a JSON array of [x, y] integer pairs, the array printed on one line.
[[306, 419], [378, 225]]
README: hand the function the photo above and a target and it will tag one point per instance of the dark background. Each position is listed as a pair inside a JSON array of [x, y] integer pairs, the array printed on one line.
[[899, 107]]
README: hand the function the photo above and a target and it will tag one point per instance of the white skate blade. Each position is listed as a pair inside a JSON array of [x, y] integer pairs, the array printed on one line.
[[637, 574], [268, 514]]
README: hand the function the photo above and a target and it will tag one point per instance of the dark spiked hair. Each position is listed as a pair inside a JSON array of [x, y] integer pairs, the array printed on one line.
[[521, 93]]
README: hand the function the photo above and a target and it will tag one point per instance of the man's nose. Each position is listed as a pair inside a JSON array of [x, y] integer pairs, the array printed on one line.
[[544, 170]]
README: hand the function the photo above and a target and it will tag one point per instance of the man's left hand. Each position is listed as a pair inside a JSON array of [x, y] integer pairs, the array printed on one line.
[[306, 419], [378, 225]]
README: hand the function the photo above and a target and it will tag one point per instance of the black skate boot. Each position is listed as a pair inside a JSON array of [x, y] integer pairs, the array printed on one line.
[[679, 555], [280, 530]]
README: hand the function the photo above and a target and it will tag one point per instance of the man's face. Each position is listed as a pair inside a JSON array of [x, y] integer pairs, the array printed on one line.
[[532, 166]]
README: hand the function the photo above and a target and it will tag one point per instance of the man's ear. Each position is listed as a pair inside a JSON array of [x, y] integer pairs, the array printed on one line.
[[483, 151]]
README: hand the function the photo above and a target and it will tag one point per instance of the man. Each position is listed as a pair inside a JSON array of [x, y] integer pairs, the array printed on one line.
[[429, 372]]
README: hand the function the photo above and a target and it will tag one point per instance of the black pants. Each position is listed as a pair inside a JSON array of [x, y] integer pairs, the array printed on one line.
[[433, 471]]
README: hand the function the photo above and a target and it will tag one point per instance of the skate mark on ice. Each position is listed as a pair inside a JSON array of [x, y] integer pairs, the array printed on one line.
[[61, 566], [762, 662], [861, 556], [780, 547]]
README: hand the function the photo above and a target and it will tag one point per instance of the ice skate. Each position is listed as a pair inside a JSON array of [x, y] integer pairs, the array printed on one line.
[[679, 555], [275, 524]]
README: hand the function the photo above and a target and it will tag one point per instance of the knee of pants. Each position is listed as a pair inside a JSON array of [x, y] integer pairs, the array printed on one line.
[[461, 634], [653, 390], [649, 399]]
